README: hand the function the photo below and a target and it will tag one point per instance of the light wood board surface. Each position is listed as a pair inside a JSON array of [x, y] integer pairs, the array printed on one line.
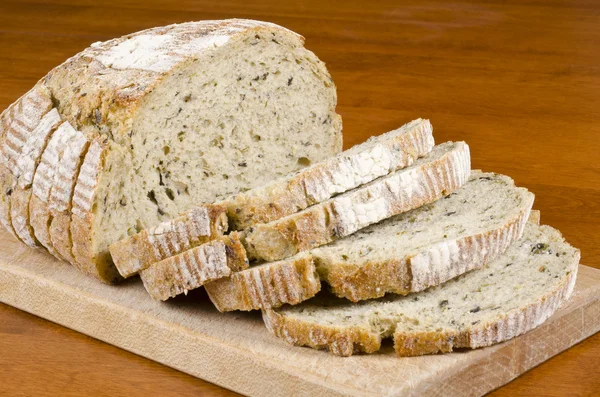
[[235, 351]]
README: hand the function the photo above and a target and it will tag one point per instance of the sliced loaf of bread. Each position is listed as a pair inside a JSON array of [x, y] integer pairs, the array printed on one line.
[[197, 226], [406, 253], [436, 175], [193, 268], [172, 115], [507, 297], [361, 164]]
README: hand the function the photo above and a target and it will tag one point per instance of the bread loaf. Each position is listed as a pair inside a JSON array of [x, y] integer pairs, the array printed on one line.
[[171, 117], [507, 297]]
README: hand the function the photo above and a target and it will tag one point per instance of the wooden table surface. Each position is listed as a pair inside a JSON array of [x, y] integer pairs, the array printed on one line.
[[519, 82]]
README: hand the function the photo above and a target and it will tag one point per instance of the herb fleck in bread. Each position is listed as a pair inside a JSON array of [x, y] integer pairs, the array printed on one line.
[[166, 105], [429, 245], [406, 253], [363, 163], [507, 297], [438, 174], [272, 284], [195, 227], [195, 267]]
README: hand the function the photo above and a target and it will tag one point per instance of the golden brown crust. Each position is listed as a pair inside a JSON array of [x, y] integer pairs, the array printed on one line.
[[19, 209], [195, 227], [7, 186], [195, 267], [290, 281], [339, 341], [40, 220]]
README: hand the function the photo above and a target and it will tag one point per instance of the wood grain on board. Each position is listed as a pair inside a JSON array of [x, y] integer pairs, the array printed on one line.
[[519, 81]]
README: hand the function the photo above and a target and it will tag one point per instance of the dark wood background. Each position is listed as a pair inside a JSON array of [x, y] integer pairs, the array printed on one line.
[[519, 81]]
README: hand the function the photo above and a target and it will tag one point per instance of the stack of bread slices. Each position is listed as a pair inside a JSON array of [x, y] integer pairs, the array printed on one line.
[[404, 239], [207, 154]]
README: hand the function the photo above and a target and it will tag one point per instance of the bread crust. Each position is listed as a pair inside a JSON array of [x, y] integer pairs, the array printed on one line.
[[290, 281], [335, 175], [345, 214], [345, 341], [195, 227], [195, 267]]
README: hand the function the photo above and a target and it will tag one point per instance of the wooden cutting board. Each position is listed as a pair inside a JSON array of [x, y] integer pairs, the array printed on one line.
[[235, 351]]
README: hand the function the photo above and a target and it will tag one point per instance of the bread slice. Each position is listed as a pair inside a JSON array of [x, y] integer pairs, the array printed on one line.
[[272, 284], [438, 174], [508, 297], [88, 259], [429, 245], [27, 164], [361, 164], [16, 123], [406, 253], [62, 194], [195, 267], [195, 227], [49, 181], [175, 111]]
